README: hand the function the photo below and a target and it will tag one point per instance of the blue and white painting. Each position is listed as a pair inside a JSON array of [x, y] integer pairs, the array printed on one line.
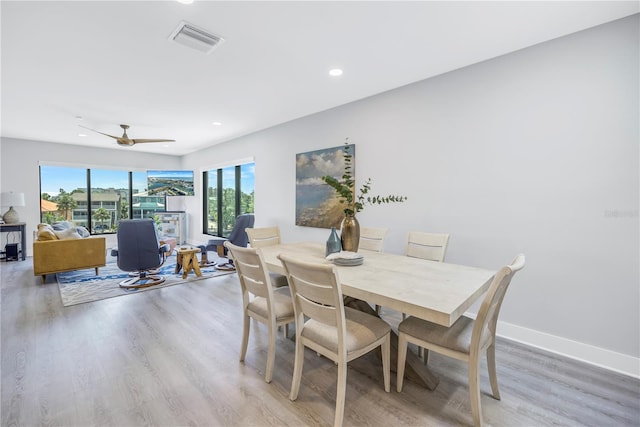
[[317, 204]]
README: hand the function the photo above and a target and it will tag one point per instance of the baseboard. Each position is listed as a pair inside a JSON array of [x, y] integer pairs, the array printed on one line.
[[618, 362]]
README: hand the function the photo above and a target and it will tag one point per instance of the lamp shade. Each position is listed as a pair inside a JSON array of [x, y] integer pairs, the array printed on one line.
[[12, 199]]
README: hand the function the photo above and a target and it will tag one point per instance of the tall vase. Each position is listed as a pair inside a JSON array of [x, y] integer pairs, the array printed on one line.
[[350, 233], [333, 243]]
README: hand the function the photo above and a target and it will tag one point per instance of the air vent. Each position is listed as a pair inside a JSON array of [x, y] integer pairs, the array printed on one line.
[[194, 37]]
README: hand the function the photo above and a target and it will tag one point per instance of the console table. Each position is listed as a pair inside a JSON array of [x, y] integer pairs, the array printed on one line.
[[22, 228]]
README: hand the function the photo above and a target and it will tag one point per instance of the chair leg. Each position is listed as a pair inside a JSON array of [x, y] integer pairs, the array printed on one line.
[[386, 363], [245, 337], [297, 368], [423, 354], [340, 393], [220, 250], [474, 391], [493, 376], [271, 353], [402, 358]]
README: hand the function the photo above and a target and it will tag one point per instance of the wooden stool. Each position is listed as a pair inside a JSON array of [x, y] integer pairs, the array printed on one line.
[[187, 261]]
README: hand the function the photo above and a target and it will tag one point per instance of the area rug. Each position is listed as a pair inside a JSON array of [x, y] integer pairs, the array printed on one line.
[[80, 286]]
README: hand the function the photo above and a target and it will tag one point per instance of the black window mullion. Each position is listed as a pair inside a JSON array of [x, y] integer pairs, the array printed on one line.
[[130, 195], [89, 222], [205, 202], [238, 193], [219, 207]]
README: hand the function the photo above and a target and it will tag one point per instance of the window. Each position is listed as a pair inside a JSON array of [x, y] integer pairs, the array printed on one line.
[[229, 192], [113, 195]]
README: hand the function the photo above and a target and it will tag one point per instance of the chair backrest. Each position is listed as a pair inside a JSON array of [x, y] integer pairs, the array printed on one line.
[[430, 246], [316, 293], [263, 236], [238, 235], [484, 327], [138, 245], [372, 238], [252, 273]]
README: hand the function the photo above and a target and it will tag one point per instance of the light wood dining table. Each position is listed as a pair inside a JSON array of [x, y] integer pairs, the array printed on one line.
[[435, 291]]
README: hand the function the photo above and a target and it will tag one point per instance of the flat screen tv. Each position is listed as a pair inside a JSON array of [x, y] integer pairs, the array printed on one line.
[[170, 182]]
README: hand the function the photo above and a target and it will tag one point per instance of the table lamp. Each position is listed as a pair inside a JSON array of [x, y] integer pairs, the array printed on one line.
[[11, 199]]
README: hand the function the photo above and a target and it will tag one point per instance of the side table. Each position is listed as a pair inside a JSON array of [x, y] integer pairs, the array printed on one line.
[[186, 260]]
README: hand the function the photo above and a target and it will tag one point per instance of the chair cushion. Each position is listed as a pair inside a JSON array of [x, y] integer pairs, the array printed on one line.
[[278, 280], [457, 337], [362, 330], [281, 301]]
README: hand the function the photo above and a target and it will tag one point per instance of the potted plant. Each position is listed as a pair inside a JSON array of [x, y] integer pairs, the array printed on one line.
[[354, 203]]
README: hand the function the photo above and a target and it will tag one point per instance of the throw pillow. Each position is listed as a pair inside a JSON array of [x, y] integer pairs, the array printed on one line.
[[69, 233], [62, 225], [82, 231], [45, 232]]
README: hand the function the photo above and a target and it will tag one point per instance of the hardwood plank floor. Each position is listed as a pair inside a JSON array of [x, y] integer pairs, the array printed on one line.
[[169, 357]]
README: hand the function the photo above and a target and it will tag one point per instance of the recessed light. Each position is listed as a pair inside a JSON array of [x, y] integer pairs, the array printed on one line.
[[82, 134], [335, 72], [216, 124], [185, 1]]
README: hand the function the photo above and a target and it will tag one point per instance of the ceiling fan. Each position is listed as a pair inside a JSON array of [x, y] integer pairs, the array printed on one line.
[[125, 140]]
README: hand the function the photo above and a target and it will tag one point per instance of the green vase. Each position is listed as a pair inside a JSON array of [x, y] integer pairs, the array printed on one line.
[[350, 233]]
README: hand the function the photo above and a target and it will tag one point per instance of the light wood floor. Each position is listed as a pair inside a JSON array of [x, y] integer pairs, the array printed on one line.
[[169, 357]]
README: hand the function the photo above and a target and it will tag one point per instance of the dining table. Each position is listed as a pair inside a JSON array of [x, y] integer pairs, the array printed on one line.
[[438, 292]]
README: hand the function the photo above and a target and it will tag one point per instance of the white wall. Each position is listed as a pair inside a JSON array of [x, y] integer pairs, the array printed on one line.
[[533, 152]]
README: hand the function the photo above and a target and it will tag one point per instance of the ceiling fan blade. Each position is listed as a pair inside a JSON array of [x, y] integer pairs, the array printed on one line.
[[101, 133], [143, 140]]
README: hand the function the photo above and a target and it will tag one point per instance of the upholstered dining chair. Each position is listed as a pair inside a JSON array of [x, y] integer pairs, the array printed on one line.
[[139, 250], [259, 237], [260, 300], [466, 339], [238, 235], [372, 238], [430, 246], [337, 332]]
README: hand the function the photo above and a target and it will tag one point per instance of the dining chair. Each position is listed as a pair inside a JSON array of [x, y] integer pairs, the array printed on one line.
[[260, 300], [466, 339], [263, 236], [372, 238], [267, 236], [337, 332], [429, 246]]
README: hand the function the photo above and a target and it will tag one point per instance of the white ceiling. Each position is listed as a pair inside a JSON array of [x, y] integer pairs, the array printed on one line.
[[111, 62]]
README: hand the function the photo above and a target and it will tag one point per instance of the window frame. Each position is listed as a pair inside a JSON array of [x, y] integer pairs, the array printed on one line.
[[87, 211], [219, 170]]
